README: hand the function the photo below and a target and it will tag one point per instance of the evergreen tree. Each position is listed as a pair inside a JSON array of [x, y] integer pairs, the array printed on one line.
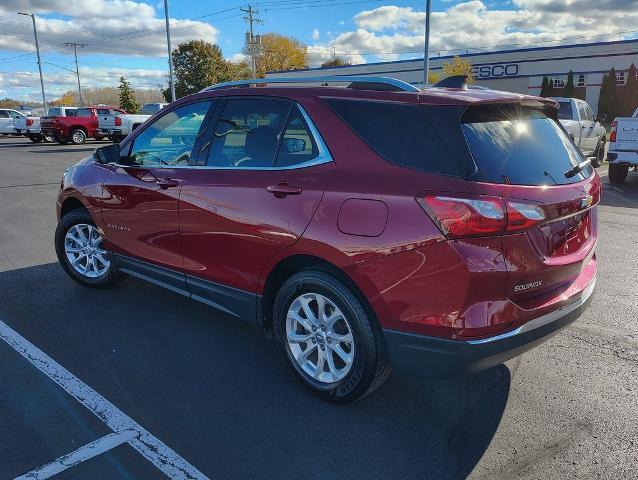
[[127, 97], [631, 92], [570, 89], [608, 100]]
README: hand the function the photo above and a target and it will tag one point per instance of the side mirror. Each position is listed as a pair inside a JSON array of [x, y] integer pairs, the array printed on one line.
[[108, 154], [294, 145]]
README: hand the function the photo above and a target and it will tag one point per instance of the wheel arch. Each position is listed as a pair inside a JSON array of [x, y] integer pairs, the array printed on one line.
[[294, 263], [71, 203]]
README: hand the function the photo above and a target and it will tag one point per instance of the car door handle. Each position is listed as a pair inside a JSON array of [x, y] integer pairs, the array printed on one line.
[[282, 189], [165, 183]]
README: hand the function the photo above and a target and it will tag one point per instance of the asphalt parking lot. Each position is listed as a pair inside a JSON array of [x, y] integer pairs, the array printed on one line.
[[216, 394]]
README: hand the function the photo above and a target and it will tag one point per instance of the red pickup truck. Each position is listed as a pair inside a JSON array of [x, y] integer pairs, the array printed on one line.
[[75, 125]]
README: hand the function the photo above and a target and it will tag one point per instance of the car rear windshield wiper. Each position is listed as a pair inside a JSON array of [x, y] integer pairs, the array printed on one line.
[[578, 168]]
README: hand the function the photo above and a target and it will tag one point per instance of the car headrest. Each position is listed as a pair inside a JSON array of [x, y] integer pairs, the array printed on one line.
[[261, 144]]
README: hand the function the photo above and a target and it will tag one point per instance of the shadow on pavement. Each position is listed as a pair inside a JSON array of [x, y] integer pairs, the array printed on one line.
[[217, 392], [623, 194]]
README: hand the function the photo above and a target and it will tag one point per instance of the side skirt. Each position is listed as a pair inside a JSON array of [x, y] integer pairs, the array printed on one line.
[[233, 301]]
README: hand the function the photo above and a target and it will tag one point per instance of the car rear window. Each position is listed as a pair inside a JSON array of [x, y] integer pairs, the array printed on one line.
[[519, 145], [565, 111], [84, 112], [399, 132]]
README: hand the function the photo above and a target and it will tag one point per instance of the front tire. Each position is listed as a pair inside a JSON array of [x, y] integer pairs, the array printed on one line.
[[36, 138], [80, 250], [600, 154], [618, 173], [328, 338]]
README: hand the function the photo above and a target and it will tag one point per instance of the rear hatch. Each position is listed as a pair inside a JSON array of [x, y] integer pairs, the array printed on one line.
[[521, 164]]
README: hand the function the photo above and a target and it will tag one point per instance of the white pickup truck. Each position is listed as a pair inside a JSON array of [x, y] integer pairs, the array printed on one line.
[[623, 147], [577, 118], [30, 127], [116, 124]]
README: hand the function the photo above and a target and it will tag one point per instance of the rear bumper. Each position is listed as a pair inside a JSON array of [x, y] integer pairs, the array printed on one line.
[[107, 131], [622, 157], [425, 356]]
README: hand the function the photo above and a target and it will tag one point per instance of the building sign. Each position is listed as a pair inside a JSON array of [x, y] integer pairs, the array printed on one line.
[[495, 71]]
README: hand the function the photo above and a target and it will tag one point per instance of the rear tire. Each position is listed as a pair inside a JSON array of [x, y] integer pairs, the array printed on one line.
[[618, 173], [78, 136], [342, 329], [93, 267]]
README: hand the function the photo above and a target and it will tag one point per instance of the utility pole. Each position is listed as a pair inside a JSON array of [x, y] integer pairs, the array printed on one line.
[[426, 53], [334, 52], [77, 68], [251, 40], [170, 56], [37, 49]]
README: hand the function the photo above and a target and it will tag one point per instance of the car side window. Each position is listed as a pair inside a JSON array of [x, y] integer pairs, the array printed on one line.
[[169, 140], [4, 114], [581, 111], [298, 145], [588, 113], [247, 133]]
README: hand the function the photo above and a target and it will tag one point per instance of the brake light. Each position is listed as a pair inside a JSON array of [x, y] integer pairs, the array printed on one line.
[[118, 121], [29, 122], [480, 216], [612, 135]]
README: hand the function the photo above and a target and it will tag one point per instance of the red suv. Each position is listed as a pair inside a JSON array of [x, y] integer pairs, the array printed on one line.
[[437, 231]]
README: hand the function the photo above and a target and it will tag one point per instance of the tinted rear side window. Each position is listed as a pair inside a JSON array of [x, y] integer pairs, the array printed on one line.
[[565, 110], [521, 146], [401, 133]]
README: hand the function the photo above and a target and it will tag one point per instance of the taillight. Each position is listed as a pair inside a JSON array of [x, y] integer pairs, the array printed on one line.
[[29, 122], [481, 216], [118, 121], [612, 135]]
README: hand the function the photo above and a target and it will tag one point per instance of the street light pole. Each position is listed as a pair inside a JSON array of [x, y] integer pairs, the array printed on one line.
[[426, 53], [37, 49], [77, 68], [170, 56]]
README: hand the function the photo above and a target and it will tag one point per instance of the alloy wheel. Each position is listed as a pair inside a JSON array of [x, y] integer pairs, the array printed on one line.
[[83, 249], [320, 338]]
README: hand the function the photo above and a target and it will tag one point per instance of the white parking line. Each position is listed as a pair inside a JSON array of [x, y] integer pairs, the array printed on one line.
[[80, 455], [155, 451]]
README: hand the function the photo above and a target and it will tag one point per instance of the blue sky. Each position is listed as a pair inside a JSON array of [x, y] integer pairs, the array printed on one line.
[[127, 36]]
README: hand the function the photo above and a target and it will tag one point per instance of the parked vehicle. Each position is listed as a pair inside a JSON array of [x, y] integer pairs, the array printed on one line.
[[623, 147], [71, 124], [6, 120], [583, 128], [152, 108], [117, 124], [30, 127], [443, 243]]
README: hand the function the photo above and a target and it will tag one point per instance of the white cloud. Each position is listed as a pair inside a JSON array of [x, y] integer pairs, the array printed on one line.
[[106, 26], [315, 34], [27, 83], [389, 31], [238, 58]]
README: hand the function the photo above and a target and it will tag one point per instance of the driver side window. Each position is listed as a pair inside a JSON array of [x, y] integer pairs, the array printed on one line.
[[170, 139], [248, 132]]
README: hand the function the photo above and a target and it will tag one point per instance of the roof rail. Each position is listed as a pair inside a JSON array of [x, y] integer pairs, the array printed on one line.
[[358, 82]]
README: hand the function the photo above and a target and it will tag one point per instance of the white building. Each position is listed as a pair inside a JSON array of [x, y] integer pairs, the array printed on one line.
[[521, 70]]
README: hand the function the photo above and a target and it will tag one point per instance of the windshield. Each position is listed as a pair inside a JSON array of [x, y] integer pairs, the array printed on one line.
[[522, 147], [565, 110]]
